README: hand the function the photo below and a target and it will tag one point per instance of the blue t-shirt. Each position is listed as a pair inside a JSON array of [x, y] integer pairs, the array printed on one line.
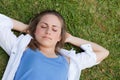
[[36, 66]]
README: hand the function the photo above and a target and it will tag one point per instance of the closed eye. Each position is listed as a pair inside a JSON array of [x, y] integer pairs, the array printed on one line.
[[43, 26], [55, 30]]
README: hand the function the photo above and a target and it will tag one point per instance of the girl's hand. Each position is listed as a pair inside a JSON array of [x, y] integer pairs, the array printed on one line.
[[68, 37]]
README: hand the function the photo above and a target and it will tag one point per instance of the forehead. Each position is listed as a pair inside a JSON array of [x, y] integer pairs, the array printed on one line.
[[51, 20]]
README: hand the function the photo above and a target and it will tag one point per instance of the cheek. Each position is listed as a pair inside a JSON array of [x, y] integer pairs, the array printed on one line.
[[38, 31], [57, 36]]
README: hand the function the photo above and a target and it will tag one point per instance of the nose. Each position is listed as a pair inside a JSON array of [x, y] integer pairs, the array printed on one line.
[[48, 31]]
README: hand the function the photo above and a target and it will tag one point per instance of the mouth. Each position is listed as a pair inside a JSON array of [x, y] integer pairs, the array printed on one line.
[[45, 37]]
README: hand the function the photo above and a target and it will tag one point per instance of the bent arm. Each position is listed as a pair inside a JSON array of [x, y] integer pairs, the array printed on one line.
[[101, 52], [19, 26], [7, 37]]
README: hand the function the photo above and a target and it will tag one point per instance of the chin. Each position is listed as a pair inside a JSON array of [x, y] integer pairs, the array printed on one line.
[[46, 44]]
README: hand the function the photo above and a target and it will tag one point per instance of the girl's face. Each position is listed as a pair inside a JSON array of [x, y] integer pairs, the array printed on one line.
[[48, 31]]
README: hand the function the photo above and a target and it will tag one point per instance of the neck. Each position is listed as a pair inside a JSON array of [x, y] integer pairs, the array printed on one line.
[[48, 51]]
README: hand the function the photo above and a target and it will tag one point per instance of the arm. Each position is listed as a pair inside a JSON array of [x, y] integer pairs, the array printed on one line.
[[100, 52], [19, 26], [7, 37]]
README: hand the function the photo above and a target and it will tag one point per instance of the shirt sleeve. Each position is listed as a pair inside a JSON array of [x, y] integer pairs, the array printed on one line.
[[7, 37], [87, 58]]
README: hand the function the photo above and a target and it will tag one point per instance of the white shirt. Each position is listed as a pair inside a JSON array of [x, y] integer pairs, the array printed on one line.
[[15, 46]]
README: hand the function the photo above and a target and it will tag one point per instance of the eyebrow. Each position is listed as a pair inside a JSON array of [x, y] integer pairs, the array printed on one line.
[[47, 24]]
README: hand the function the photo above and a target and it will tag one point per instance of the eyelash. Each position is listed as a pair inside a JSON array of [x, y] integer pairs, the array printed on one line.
[[54, 30], [43, 26], [46, 27]]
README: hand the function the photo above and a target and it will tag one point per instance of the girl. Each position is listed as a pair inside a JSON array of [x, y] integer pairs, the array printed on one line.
[[39, 55]]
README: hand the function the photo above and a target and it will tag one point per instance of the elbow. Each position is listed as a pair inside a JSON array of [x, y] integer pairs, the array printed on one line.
[[106, 53]]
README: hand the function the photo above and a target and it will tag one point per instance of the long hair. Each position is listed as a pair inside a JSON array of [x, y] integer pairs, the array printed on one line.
[[33, 24]]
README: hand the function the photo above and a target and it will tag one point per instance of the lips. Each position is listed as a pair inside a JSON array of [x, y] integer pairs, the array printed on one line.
[[46, 37]]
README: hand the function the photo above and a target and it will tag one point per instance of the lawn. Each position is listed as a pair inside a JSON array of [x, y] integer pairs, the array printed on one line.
[[94, 20]]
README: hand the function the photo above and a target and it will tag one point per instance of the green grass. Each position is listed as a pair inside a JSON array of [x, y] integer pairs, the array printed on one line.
[[94, 20]]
